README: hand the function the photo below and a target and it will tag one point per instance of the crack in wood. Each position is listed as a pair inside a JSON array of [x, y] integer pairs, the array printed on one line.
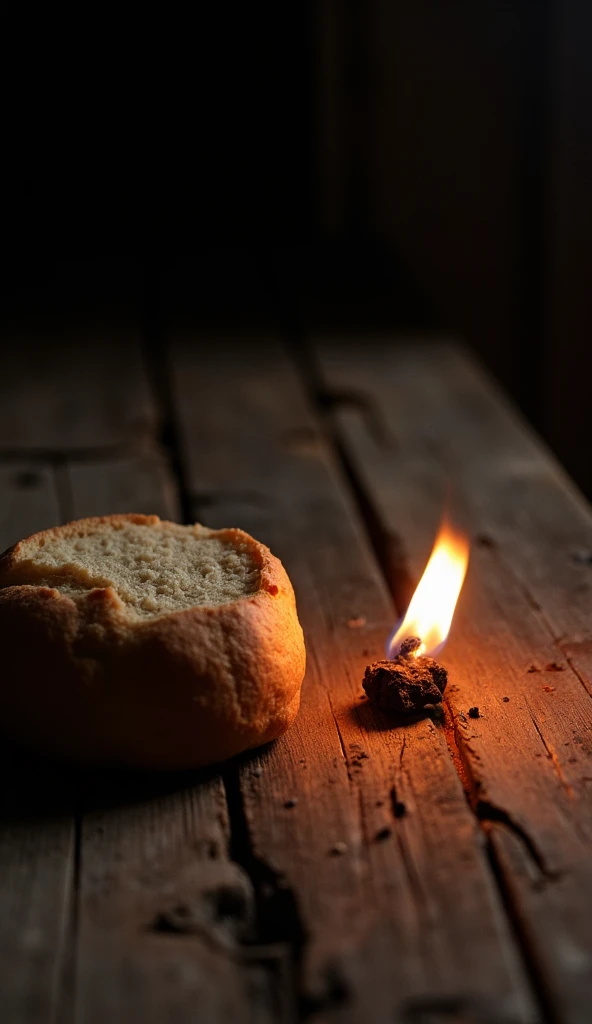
[[378, 428], [390, 554], [141, 445], [487, 813], [443, 1010], [277, 919], [388, 547], [277, 937], [575, 671], [398, 807], [398, 586], [551, 754], [278, 932], [485, 810], [167, 436], [208, 499]]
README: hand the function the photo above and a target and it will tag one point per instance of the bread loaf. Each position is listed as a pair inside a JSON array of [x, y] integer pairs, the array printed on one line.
[[126, 640]]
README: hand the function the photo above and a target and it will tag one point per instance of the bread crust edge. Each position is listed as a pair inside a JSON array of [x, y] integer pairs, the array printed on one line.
[[83, 681]]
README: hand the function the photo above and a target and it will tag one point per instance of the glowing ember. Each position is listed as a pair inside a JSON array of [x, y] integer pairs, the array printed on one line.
[[432, 606]]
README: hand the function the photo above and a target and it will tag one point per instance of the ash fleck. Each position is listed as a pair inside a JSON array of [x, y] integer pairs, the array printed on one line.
[[474, 713], [506, 700], [338, 849], [406, 684], [399, 809], [554, 667], [382, 834], [291, 802], [533, 668]]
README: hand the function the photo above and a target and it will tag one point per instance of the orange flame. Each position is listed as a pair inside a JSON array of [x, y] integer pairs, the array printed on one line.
[[430, 611]]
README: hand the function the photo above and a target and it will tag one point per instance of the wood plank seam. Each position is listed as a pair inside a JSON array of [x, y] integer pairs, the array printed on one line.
[[279, 955], [512, 619], [400, 581], [158, 374], [261, 874], [275, 900], [307, 518], [549, 874], [394, 568], [128, 961], [486, 812], [389, 550], [537, 978], [263, 877]]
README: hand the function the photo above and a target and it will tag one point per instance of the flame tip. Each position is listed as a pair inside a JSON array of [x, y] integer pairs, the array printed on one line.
[[431, 608]]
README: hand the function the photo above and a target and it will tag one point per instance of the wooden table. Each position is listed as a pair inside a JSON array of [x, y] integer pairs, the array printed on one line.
[[353, 871]]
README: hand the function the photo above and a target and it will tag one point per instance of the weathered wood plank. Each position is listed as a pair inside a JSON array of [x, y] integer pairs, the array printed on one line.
[[164, 914], [82, 387], [36, 815], [421, 420], [360, 833], [29, 500], [131, 483]]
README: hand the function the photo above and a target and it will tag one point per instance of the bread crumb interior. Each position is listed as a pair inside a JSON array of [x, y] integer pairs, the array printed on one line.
[[155, 568]]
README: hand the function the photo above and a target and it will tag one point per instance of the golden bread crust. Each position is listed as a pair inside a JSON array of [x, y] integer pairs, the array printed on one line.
[[82, 680]]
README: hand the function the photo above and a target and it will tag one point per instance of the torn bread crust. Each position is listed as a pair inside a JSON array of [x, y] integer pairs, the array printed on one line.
[[154, 566], [90, 672]]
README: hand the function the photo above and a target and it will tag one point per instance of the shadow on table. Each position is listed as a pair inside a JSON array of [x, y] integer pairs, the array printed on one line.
[[33, 788], [372, 719]]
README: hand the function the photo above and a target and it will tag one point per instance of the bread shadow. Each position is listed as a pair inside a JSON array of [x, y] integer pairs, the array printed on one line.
[[36, 789]]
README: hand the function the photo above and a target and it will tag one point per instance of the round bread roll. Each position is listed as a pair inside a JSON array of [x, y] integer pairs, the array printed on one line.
[[125, 640]]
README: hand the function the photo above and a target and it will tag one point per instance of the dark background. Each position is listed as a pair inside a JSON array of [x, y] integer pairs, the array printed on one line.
[[415, 165]]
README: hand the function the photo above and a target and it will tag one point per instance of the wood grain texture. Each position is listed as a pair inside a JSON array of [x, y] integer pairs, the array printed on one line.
[[141, 482], [164, 915], [81, 388], [358, 832], [423, 423], [163, 912], [29, 500], [36, 814]]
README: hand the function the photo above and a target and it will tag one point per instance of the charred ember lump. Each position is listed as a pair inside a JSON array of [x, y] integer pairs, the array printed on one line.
[[408, 685]]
